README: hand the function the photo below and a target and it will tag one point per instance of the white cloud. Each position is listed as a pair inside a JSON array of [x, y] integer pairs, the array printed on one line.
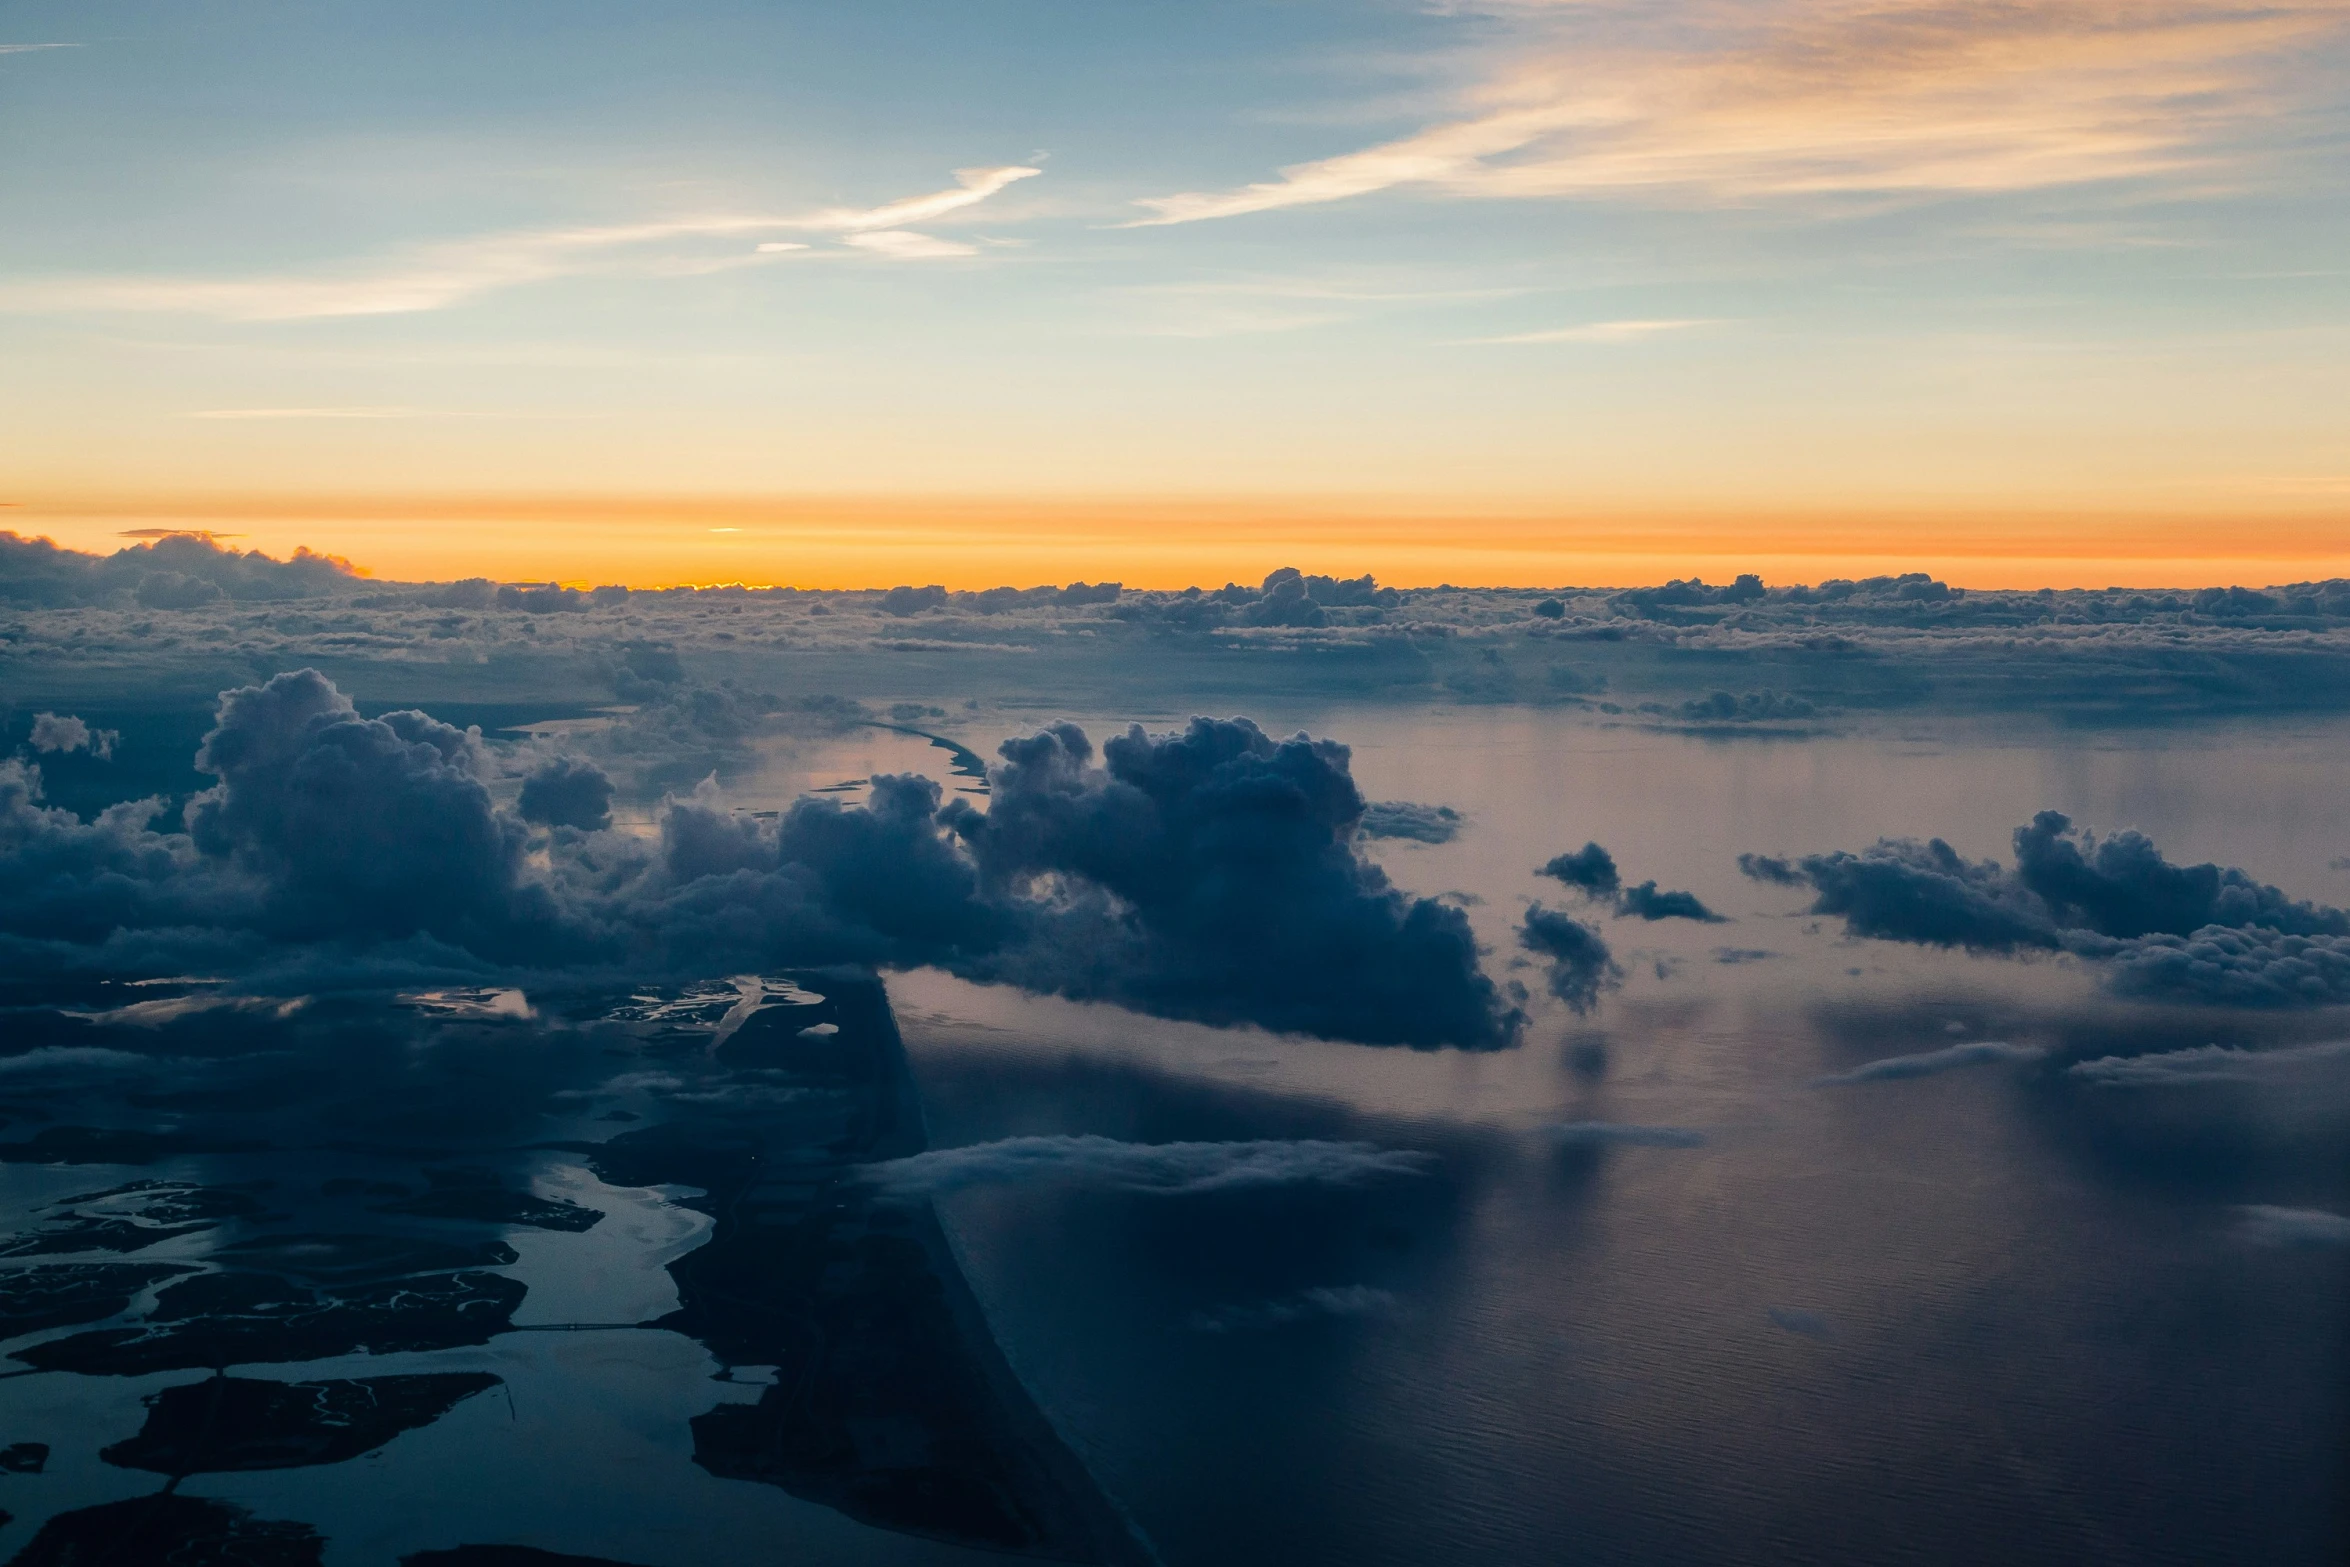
[[906, 245], [434, 277], [972, 186], [33, 48], [1740, 100], [2264, 1225], [1929, 1063], [1596, 332]]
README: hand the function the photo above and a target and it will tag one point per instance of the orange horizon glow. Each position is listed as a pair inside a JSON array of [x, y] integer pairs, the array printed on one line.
[[968, 542]]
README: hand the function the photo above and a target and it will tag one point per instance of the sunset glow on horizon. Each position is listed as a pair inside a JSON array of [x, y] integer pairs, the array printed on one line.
[[1506, 291]]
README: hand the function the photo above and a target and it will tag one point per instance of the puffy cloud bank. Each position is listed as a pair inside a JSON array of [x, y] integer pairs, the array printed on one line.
[[2206, 933], [1212, 874]]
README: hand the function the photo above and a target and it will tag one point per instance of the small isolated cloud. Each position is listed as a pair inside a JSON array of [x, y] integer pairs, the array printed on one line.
[[1620, 1134], [1580, 964], [1795, 1320], [59, 733], [1165, 1169], [906, 245], [33, 48], [1595, 332], [2292, 1227], [1646, 902], [1403, 819], [1590, 870], [1344, 1300], [1930, 1062]]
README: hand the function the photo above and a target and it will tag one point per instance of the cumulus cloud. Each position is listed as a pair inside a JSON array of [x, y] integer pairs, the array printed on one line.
[[567, 791], [1928, 1063], [171, 571], [54, 732], [1591, 870], [1646, 902], [1580, 964], [2264, 1225], [2204, 933], [1213, 874], [1164, 1169]]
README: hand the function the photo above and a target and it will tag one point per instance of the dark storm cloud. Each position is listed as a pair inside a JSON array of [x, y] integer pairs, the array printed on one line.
[[2205, 933], [1165, 1169], [1212, 875], [1403, 819], [1580, 963], [1929, 1063], [358, 826], [566, 791]]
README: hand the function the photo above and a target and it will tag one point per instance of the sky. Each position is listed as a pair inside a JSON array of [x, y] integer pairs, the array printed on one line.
[[1523, 291]]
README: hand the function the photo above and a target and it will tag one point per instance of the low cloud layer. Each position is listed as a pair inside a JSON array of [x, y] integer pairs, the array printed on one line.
[[1212, 874], [2320, 1071], [1929, 1063], [2206, 933], [1164, 1169], [2264, 1225], [1622, 1134]]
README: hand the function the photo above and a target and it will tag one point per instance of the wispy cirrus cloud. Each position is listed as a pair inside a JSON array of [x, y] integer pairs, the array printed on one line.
[[309, 413], [1747, 100], [1597, 332], [33, 48], [434, 277]]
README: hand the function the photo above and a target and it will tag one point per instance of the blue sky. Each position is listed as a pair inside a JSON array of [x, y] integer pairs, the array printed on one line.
[[1745, 258]]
